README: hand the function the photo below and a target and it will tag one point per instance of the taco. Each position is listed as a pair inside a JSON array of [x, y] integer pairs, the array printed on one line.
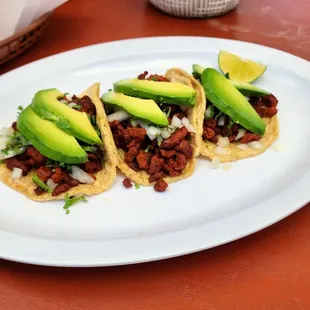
[[60, 146], [155, 125], [240, 119]]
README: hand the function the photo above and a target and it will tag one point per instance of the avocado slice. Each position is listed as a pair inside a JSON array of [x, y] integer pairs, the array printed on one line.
[[161, 92], [246, 89], [230, 101], [49, 140], [142, 109], [45, 103]]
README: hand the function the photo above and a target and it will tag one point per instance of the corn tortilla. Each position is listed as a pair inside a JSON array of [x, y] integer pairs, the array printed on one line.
[[142, 177], [234, 153], [104, 178]]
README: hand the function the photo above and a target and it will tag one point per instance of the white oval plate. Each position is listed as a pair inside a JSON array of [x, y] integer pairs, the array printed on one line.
[[211, 208]]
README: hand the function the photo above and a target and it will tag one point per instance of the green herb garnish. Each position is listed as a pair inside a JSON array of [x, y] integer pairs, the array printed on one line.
[[147, 149], [231, 122], [77, 106], [137, 186], [16, 144], [70, 201], [39, 182], [218, 114], [88, 148], [52, 164], [167, 112], [20, 110]]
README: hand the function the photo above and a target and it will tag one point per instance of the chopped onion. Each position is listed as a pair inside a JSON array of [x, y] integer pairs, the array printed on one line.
[[165, 133], [51, 184], [171, 128], [152, 132], [208, 112], [160, 139], [255, 145], [118, 116], [185, 121], [3, 142], [5, 135], [215, 163], [17, 173], [241, 133], [223, 142], [71, 104], [143, 125], [190, 127], [6, 131], [81, 175], [176, 121], [221, 120], [8, 155], [221, 151], [134, 122], [242, 146], [183, 107]]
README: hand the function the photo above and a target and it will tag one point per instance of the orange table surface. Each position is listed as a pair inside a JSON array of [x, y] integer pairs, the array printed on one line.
[[268, 270]]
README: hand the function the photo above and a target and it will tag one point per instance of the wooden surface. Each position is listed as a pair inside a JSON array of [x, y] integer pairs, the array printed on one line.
[[268, 270]]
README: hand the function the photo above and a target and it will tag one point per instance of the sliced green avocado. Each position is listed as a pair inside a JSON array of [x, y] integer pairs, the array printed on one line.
[[161, 92], [49, 140], [45, 103], [246, 89], [230, 101], [142, 109]]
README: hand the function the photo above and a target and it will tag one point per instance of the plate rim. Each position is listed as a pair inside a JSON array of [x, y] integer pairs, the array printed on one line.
[[11, 74]]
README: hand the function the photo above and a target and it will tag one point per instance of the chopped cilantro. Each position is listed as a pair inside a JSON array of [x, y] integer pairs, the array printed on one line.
[[167, 111], [137, 186], [210, 112], [16, 144], [147, 149], [88, 148], [70, 201], [20, 109], [52, 164], [93, 119], [231, 122], [39, 182], [77, 106], [218, 114]]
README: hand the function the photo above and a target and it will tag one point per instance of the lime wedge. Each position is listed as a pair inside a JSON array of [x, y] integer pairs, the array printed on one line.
[[239, 69]]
